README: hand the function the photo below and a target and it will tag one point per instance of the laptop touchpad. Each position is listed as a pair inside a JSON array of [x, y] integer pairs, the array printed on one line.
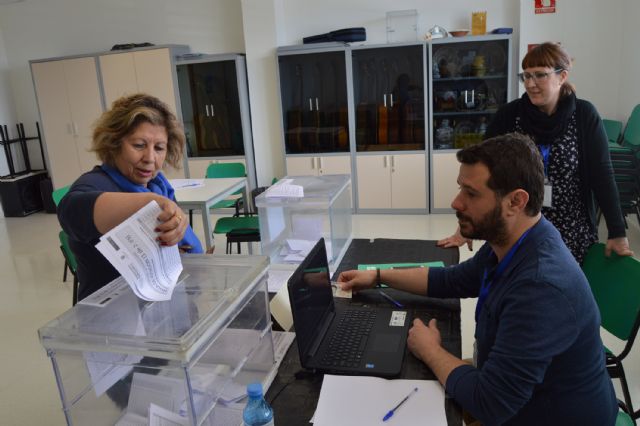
[[385, 342]]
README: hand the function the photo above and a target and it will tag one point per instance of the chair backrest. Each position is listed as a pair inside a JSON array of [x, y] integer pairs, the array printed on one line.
[[615, 283], [225, 170], [59, 193], [66, 252], [613, 128], [631, 136]]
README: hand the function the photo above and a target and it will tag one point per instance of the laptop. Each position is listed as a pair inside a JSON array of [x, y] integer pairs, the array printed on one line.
[[338, 338]]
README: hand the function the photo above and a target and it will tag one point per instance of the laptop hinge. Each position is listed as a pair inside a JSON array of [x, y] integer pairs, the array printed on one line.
[[321, 333]]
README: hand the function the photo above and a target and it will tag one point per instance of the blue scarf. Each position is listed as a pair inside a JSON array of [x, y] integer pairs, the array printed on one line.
[[161, 186]]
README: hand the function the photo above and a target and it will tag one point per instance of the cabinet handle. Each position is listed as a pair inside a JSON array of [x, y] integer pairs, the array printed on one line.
[[393, 162], [310, 105], [384, 101], [391, 96], [213, 113], [206, 107], [385, 161], [319, 162], [316, 104], [313, 161], [74, 126]]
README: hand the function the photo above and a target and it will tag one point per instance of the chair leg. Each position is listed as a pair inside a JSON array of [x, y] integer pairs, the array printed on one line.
[[191, 218], [75, 290], [239, 251], [619, 374], [64, 275]]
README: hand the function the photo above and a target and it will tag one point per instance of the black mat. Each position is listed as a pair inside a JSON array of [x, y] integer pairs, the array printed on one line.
[[294, 393]]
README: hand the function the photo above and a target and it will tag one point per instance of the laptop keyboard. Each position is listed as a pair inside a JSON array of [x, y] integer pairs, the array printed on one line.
[[350, 339]]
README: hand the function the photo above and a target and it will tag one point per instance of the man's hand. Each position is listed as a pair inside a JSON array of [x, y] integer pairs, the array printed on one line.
[[423, 339], [618, 245], [357, 280], [455, 240]]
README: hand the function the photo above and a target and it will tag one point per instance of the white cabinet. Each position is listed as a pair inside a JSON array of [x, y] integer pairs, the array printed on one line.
[[319, 165], [445, 180], [396, 181], [69, 100]]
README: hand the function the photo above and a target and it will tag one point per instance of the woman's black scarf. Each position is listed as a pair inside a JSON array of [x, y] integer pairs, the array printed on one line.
[[543, 128]]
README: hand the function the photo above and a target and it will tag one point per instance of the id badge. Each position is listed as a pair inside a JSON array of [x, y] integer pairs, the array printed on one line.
[[548, 191]]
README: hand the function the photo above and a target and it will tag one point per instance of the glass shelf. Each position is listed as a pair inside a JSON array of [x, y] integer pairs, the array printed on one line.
[[484, 77]]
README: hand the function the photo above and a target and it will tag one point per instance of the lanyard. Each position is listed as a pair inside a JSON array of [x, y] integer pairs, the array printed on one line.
[[544, 151], [486, 284]]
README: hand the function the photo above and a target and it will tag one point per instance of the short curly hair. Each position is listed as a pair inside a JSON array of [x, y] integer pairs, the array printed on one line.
[[125, 115]]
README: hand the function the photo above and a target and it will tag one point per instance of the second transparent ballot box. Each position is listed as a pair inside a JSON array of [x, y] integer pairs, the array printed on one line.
[[119, 360], [290, 226]]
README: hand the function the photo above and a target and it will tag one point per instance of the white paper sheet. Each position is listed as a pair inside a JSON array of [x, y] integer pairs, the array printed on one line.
[[150, 269], [186, 183], [159, 416], [281, 308], [277, 278], [361, 400], [285, 189]]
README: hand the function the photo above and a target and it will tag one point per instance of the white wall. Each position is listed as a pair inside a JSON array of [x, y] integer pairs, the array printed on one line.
[[7, 113], [37, 29], [628, 83], [590, 30]]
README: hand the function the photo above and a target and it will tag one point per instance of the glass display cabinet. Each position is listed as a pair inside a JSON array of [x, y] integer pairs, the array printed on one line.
[[388, 86], [471, 79]]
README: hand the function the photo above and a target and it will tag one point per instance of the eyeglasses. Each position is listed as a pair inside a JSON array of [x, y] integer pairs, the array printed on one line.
[[537, 76]]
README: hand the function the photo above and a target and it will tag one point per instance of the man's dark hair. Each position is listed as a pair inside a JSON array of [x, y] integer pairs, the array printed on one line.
[[514, 162]]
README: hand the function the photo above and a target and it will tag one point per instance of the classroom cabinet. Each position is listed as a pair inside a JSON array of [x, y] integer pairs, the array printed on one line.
[[214, 105], [69, 101], [314, 101], [445, 172], [388, 87], [396, 181], [318, 165]]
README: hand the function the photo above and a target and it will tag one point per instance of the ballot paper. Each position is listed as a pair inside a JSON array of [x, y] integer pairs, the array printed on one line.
[[284, 189], [186, 183], [151, 270]]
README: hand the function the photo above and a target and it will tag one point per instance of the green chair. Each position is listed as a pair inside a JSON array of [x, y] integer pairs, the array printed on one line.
[[615, 284], [623, 419], [613, 128], [242, 227], [70, 262], [57, 196], [226, 170]]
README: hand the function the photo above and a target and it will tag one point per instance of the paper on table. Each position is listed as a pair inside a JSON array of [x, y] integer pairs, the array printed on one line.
[[159, 416], [284, 189], [281, 308], [370, 398], [186, 183], [277, 278], [150, 269]]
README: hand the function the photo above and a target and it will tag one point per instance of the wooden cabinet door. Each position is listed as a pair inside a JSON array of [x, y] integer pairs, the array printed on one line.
[[334, 165], [85, 106], [408, 181], [302, 166], [51, 89], [154, 75], [118, 76], [374, 181], [445, 177]]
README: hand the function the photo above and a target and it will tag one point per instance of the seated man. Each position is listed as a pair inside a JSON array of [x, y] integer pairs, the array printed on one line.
[[540, 359]]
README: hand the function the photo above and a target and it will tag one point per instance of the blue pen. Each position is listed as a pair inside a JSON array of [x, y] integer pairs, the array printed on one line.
[[393, 410], [391, 299]]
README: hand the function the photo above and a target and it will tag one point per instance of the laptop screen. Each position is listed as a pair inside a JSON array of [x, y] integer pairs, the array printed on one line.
[[311, 296]]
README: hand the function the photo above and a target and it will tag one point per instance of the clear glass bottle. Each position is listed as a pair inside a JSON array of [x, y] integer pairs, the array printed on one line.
[[444, 135], [257, 412]]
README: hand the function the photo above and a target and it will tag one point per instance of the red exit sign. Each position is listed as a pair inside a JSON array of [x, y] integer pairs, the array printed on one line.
[[545, 6]]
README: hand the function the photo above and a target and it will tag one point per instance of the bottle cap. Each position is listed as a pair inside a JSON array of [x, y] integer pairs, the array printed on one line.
[[254, 389]]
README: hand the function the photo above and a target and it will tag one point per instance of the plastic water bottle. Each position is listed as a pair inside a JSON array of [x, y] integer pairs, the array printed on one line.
[[257, 412]]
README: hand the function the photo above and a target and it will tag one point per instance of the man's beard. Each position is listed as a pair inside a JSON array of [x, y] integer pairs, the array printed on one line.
[[491, 227]]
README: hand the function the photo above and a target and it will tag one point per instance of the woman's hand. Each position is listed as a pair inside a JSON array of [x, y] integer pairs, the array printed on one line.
[[172, 223], [455, 240], [618, 245], [357, 280]]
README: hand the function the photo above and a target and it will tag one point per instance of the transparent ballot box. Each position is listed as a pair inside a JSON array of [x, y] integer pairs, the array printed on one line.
[[290, 226], [119, 360]]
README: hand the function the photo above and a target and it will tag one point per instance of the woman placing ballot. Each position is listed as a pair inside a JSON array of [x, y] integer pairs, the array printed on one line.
[[134, 140]]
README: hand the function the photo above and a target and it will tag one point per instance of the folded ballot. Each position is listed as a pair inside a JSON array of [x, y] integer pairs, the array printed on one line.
[[151, 270]]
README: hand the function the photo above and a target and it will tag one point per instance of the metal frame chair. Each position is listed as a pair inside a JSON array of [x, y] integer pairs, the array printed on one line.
[[615, 284], [242, 227]]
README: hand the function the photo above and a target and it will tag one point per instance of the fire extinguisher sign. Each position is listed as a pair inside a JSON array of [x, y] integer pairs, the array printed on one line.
[[545, 6]]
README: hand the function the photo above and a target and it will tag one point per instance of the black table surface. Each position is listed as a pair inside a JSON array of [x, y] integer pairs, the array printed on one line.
[[294, 392]]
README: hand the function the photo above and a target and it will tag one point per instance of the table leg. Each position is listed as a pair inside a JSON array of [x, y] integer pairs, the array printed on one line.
[[206, 224], [247, 208]]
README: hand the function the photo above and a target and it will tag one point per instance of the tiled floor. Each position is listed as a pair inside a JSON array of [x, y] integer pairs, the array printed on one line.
[[32, 293]]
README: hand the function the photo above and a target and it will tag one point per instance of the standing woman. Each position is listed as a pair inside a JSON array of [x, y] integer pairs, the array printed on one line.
[[574, 146], [133, 140]]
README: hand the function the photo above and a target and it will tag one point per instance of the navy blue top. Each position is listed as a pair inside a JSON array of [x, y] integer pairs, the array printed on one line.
[[540, 356]]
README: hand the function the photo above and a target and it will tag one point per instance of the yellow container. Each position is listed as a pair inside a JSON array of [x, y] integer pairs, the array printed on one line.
[[478, 23]]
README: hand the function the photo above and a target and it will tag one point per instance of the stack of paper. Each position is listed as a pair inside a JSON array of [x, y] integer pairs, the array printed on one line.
[[285, 189], [151, 270]]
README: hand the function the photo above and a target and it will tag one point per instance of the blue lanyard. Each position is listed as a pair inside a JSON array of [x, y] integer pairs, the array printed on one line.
[[544, 151], [486, 284]]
